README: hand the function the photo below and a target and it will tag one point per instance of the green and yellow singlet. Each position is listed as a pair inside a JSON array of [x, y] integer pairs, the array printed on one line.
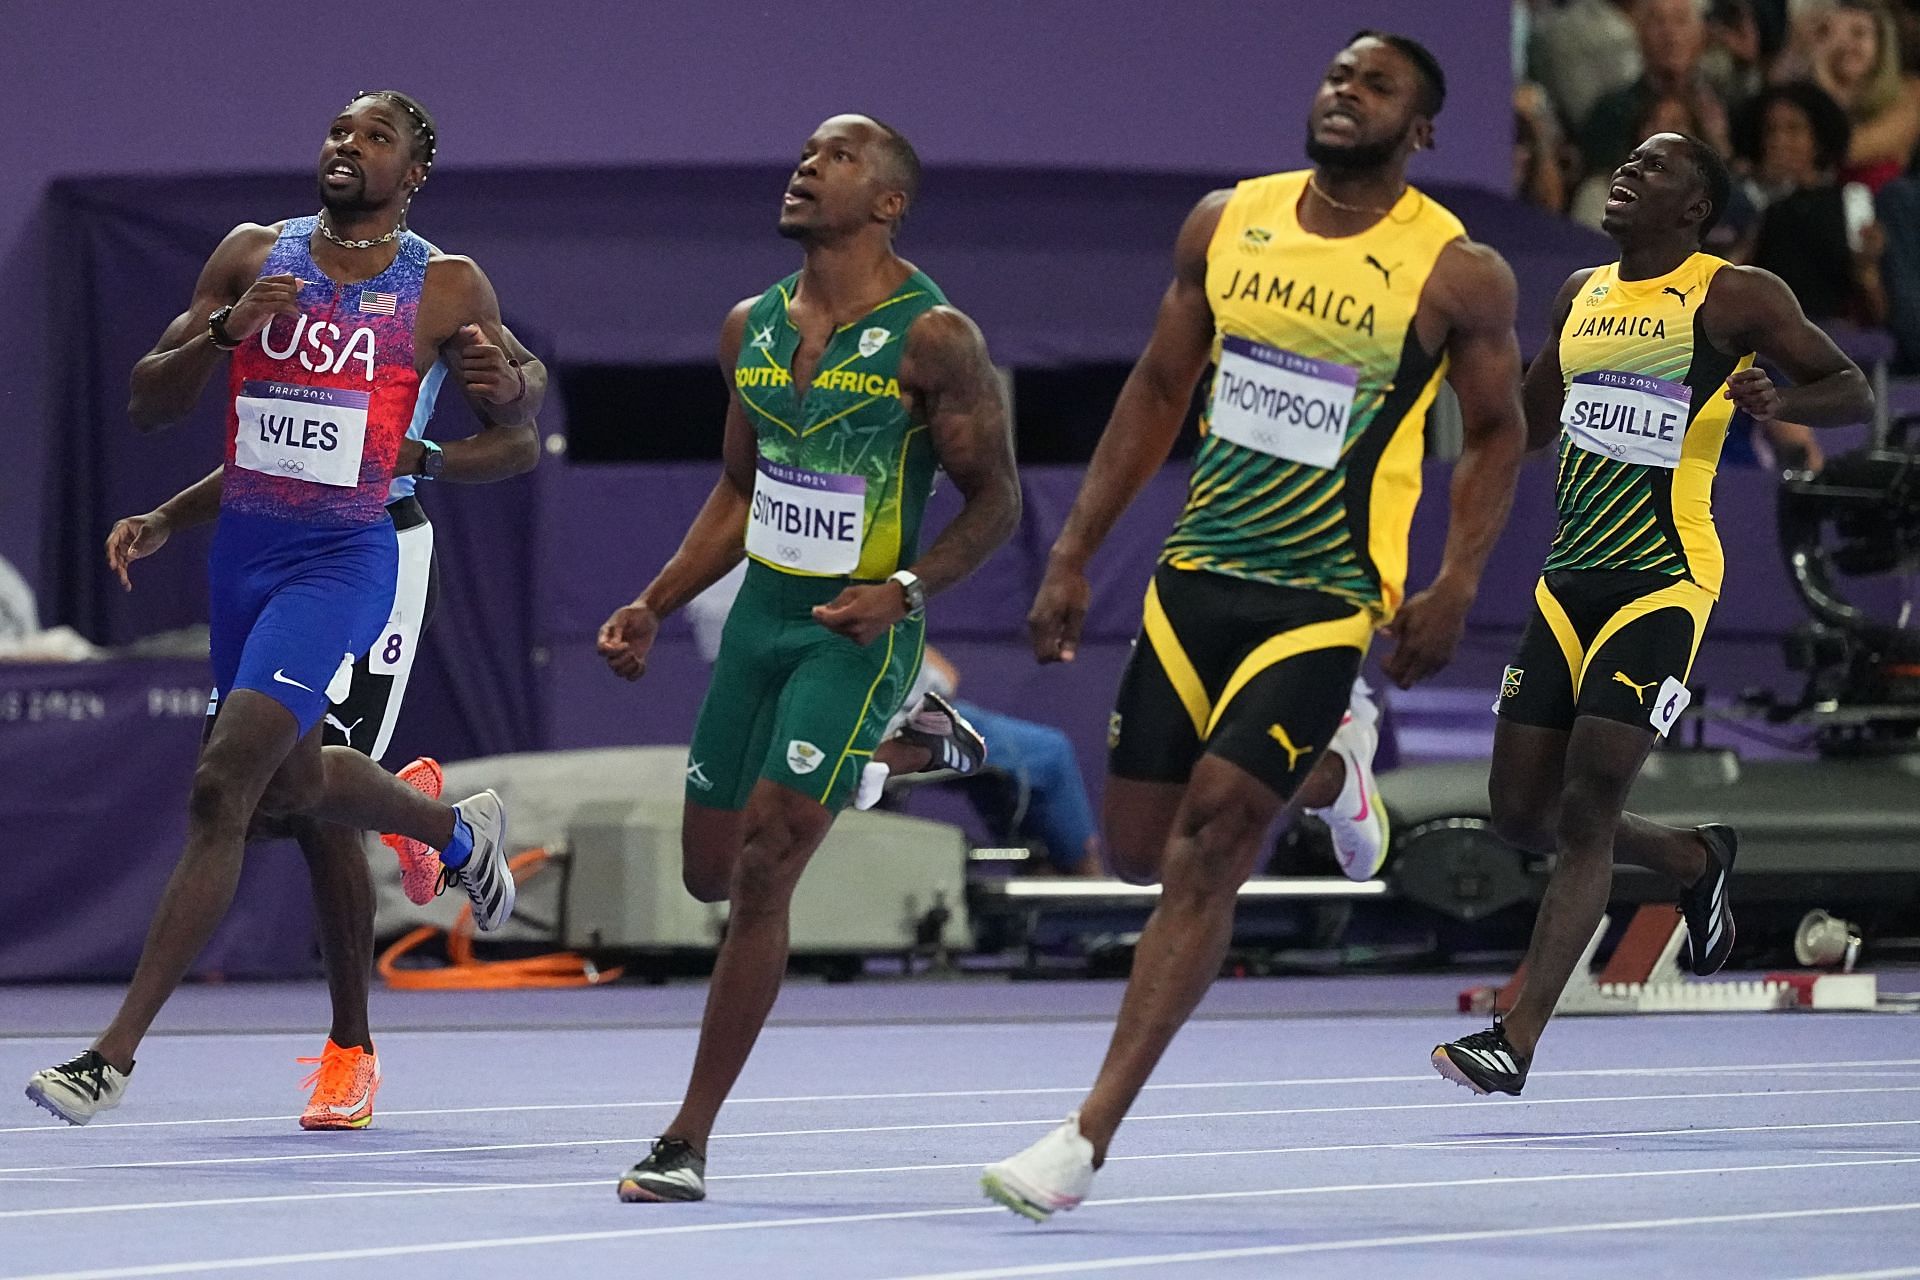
[[1314, 429], [844, 474], [1642, 426]]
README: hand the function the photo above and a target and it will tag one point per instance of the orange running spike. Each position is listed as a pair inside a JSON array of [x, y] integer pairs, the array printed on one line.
[[419, 865], [344, 1084]]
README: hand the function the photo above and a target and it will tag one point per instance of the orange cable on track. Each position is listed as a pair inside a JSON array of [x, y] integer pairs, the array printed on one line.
[[464, 972]]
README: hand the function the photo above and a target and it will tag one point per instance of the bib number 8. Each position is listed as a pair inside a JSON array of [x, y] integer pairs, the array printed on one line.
[[388, 653]]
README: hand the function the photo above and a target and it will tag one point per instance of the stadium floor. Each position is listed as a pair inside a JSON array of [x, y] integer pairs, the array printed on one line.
[[1760, 1145]]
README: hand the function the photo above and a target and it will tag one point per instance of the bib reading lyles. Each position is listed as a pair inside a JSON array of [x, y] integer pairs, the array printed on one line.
[[1631, 417], [315, 434], [1282, 403], [807, 521]]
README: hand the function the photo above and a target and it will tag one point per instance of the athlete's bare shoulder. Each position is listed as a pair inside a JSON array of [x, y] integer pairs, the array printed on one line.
[[733, 331], [248, 245], [1746, 304], [1471, 287], [1563, 300], [1196, 236], [1735, 287], [1575, 283], [255, 232], [944, 347], [1468, 262], [456, 268]]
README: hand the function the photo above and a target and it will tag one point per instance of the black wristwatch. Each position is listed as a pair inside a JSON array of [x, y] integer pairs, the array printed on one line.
[[916, 594], [433, 460], [217, 329]]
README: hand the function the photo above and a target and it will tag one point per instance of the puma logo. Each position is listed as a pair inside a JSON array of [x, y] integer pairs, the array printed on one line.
[[346, 730], [1386, 272], [1676, 293], [1639, 690], [1279, 734]]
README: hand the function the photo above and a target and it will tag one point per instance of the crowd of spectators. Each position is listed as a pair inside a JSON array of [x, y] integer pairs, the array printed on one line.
[[1815, 102]]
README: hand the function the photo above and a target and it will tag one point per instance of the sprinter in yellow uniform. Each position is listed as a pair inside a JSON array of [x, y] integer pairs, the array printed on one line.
[[1330, 302], [1647, 360]]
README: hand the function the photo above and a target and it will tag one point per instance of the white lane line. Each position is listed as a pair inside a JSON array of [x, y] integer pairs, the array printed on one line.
[[1756, 1068], [437, 1184], [1890, 1273], [1517, 1143], [1050, 1121], [1375, 1242], [575, 1237]]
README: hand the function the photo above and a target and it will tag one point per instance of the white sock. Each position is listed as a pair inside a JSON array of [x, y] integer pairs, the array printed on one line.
[[873, 780]]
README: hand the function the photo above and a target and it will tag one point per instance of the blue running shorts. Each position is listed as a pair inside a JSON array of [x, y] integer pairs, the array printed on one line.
[[293, 605]]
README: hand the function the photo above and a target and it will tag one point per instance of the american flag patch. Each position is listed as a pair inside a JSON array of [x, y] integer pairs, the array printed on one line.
[[378, 304]]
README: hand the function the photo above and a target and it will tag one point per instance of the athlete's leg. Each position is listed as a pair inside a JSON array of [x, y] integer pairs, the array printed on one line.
[[1524, 782], [1138, 819], [902, 757], [1324, 784], [783, 828], [1672, 851], [710, 841], [1603, 757], [1217, 840], [343, 905], [341, 785], [826, 719], [1282, 706], [247, 744]]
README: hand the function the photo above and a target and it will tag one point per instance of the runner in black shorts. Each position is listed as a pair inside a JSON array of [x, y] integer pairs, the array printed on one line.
[[1268, 662], [1330, 302], [1647, 360]]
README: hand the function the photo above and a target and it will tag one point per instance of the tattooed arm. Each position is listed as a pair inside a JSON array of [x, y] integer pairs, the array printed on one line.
[[951, 387]]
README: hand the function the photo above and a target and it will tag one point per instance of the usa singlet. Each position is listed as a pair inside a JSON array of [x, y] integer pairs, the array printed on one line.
[[305, 559], [1314, 426], [322, 400]]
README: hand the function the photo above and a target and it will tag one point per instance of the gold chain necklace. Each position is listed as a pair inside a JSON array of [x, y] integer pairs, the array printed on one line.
[[1314, 186], [327, 231]]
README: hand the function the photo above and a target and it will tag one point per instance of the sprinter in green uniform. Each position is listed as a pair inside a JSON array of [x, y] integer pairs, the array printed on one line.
[[843, 477], [852, 380]]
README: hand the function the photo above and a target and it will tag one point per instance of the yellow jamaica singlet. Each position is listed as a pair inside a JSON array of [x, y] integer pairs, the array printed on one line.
[[1314, 428], [1642, 426]]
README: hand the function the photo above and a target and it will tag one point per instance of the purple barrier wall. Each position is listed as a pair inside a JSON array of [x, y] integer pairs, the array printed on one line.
[[96, 759], [1218, 85]]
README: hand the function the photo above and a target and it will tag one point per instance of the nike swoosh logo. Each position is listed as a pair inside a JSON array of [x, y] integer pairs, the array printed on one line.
[[280, 674], [1366, 806], [349, 1108]]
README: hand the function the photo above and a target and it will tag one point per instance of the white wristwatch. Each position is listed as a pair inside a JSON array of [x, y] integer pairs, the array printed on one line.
[[911, 588]]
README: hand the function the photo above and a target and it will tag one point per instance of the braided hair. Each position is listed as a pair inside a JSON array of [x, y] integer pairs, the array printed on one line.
[[426, 140]]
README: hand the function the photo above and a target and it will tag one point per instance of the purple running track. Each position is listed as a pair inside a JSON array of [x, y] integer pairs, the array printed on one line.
[[1308, 1143]]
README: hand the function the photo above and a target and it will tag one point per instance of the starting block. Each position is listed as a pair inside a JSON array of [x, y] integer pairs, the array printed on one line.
[[1643, 975]]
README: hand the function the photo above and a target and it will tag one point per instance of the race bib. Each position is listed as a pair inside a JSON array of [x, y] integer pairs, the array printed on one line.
[[1628, 417], [806, 520], [1668, 704], [1291, 406], [314, 434]]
